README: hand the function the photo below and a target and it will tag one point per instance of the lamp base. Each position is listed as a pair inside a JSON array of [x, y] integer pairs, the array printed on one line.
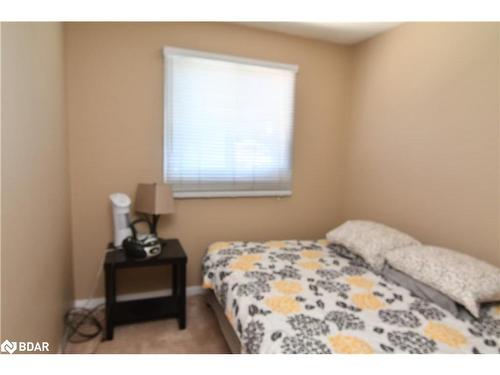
[[154, 224]]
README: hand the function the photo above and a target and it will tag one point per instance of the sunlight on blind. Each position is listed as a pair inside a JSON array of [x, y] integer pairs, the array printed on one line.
[[228, 125]]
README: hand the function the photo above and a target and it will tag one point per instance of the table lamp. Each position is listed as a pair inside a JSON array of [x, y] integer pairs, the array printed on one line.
[[155, 200]]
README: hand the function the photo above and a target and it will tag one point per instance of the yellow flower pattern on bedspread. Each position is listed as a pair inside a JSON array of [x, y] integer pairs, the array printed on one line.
[[287, 286], [311, 254], [314, 297], [442, 333], [360, 282], [367, 301], [310, 265], [245, 262], [350, 345], [282, 304]]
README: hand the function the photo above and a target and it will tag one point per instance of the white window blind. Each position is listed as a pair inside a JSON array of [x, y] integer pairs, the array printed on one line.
[[228, 125]]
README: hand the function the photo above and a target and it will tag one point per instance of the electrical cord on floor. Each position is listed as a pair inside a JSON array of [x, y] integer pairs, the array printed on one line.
[[82, 323]]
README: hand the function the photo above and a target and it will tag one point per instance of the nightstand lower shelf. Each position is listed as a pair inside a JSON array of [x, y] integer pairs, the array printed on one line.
[[126, 312]]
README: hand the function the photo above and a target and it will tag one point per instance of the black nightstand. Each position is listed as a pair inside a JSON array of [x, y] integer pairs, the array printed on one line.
[[173, 306]]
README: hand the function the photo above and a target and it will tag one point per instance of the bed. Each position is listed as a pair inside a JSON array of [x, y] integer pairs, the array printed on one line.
[[309, 297]]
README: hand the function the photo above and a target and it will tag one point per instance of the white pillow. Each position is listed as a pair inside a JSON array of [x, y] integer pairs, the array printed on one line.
[[461, 277], [369, 240]]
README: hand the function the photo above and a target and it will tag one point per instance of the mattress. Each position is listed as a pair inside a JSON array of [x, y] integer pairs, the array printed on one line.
[[308, 297]]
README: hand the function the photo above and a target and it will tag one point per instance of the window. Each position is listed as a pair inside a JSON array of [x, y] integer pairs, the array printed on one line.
[[228, 125]]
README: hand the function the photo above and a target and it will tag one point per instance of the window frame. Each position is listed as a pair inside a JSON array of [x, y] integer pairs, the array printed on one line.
[[168, 126]]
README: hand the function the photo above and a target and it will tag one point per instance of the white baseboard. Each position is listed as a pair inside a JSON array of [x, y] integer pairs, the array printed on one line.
[[190, 291]]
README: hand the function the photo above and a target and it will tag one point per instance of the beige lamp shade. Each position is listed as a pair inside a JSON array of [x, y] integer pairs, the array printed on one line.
[[154, 199]]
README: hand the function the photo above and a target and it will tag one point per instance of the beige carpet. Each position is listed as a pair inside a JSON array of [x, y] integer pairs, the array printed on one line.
[[201, 336]]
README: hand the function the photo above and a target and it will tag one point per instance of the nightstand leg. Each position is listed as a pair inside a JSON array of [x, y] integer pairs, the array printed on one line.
[[110, 301], [182, 295]]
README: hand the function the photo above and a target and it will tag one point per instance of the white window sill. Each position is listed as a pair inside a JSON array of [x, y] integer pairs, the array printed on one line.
[[231, 194]]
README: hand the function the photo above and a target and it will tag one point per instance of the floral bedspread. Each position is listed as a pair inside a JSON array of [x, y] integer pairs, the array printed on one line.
[[307, 297]]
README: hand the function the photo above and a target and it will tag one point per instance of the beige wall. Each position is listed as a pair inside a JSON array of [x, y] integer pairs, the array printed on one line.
[[114, 77], [422, 142], [36, 244]]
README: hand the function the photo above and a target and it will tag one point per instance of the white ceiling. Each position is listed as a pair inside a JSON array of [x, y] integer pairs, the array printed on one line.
[[336, 32]]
